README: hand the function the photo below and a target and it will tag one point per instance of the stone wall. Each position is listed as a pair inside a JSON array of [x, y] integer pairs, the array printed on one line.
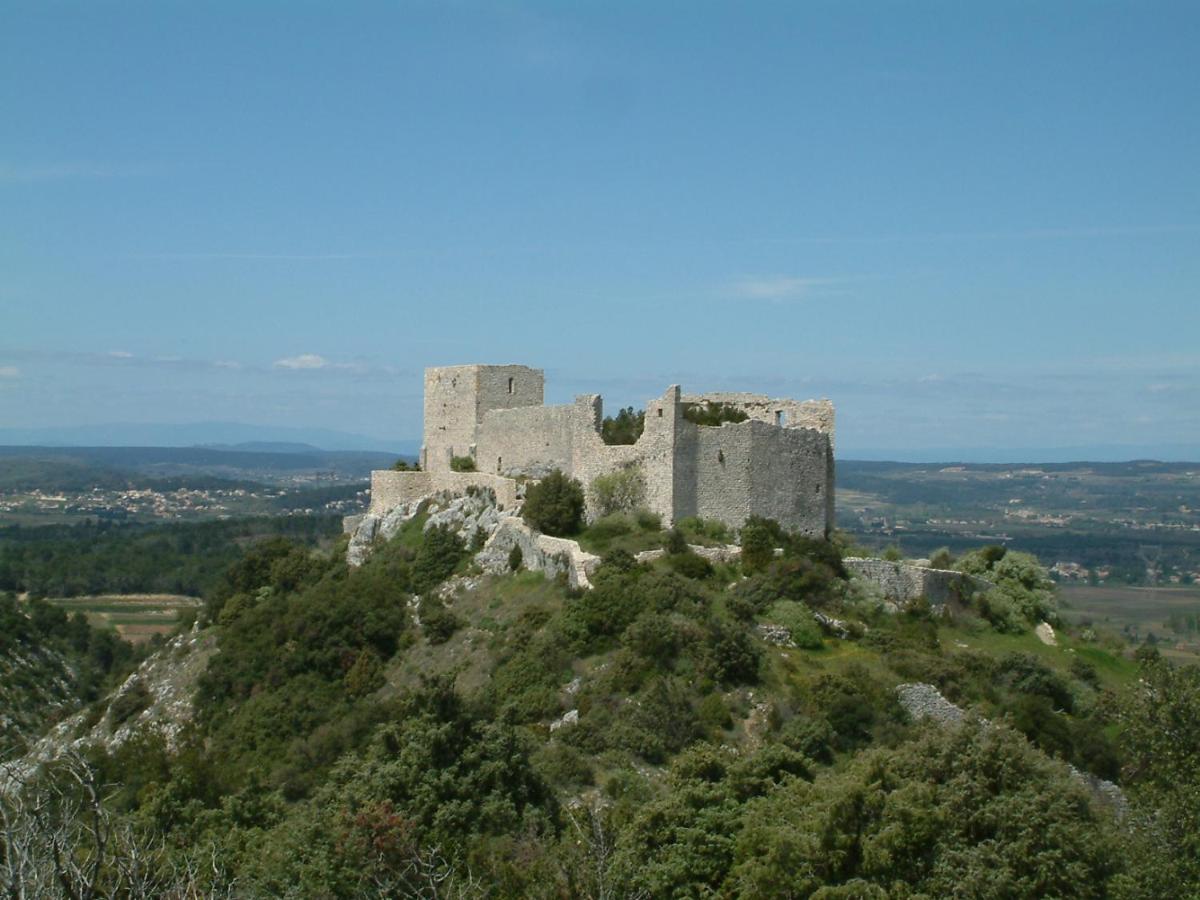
[[457, 398], [736, 470], [903, 583], [391, 489], [780, 411], [528, 441]]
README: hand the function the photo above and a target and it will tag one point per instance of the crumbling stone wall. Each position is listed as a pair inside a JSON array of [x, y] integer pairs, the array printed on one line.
[[391, 489], [903, 583], [779, 411]]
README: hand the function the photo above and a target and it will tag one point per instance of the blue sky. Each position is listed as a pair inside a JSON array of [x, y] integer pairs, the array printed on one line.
[[970, 225]]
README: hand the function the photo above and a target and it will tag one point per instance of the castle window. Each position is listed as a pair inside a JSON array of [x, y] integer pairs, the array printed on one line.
[[510, 385], [780, 418], [499, 460], [721, 457], [660, 412]]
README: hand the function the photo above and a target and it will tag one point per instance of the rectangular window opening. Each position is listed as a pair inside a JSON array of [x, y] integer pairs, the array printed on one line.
[[780, 417], [510, 385]]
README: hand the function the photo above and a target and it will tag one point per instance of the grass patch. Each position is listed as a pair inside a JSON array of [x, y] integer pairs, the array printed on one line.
[[620, 532]]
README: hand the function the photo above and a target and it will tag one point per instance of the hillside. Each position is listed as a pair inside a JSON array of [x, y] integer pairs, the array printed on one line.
[[684, 729], [50, 665]]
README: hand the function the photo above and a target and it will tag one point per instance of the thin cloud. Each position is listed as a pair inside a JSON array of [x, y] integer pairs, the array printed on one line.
[[9, 372], [303, 361], [779, 287]]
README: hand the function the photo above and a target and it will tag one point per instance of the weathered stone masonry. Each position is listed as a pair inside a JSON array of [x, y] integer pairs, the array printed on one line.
[[778, 463]]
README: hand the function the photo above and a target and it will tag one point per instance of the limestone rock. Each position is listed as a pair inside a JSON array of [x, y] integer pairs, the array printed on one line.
[[1046, 634]]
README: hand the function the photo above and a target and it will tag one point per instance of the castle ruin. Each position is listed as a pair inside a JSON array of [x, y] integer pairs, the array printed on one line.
[[778, 463]]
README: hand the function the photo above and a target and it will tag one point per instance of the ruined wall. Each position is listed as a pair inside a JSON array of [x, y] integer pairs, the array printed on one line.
[[391, 489], [903, 583], [456, 399], [742, 469], [781, 411], [528, 441], [652, 454]]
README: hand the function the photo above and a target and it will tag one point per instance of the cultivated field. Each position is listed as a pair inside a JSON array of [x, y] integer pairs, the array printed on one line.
[[1136, 612], [136, 617]]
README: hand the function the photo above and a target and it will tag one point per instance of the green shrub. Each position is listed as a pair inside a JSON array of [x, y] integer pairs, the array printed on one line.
[[130, 703], [759, 539], [462, 464], [622, 491], [562, 765], [554, 505], [403, 465], [690, 565], [609, 528], [366, 675], [647, 520], [941, 558], [798, 620], [516, 558], [437, 621], [623, 428], [697, 528], [714, 713], [440, 552]]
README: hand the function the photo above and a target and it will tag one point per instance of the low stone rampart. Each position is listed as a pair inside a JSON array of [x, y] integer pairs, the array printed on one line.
[[903, 583], [391, 489]]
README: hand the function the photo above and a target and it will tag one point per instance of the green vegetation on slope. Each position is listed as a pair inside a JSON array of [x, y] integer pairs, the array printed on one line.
[[644, 738], [50, 663]]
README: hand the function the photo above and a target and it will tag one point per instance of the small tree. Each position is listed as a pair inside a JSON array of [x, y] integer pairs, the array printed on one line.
[[403, 465], [623, 428], [759, 538], [462, 464], [621, 491], [554, 505]]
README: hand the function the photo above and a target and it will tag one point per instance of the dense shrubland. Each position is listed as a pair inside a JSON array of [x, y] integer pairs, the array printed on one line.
[[642, 738]]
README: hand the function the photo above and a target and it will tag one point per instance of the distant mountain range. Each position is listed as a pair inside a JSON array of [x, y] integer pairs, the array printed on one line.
[[240, 437], [1081, 453], [222, 435]]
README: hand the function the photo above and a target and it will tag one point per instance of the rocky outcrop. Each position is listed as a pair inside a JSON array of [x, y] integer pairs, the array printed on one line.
[[924, 701], [155, 698], [465, 514], [539, 552]]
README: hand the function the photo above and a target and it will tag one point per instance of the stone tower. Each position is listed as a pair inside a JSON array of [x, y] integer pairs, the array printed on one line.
[[456, 398]]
